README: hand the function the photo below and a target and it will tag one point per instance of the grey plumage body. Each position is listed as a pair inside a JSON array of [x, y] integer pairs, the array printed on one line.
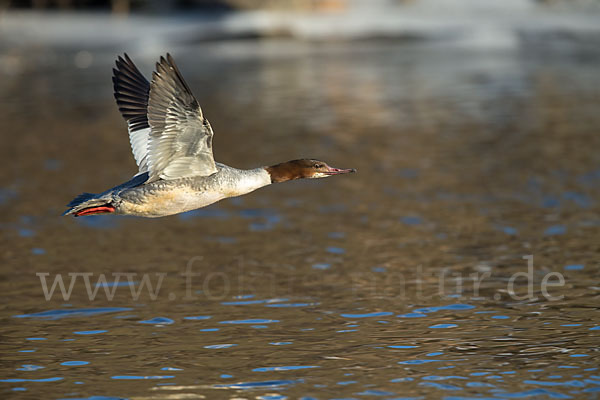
[[168, 197]]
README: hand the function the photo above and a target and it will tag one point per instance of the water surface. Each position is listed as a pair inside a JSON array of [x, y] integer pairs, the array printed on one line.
[[393, 282]]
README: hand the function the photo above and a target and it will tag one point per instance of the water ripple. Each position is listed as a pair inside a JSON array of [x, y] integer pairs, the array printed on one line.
[[16, 380], [284, 368], [450, 307], [368, 315], [198, 317], [136, 377], [533, 393], [443, 386], [158, 321], [77, 312], [30, 367], [74, 363], [220, 346], [252, 385], [249, 321], [443, 326]]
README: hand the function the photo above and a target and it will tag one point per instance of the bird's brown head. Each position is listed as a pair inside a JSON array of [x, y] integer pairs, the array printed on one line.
[[303, 168]]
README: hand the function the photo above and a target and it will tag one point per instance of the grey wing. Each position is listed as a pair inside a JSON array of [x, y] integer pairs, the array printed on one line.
[[180, 141], [131, 90]]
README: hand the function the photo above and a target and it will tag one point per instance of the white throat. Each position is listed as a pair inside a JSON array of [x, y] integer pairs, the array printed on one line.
[[249, 180]]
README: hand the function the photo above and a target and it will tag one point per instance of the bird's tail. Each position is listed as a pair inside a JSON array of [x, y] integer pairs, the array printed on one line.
[[88, 204]]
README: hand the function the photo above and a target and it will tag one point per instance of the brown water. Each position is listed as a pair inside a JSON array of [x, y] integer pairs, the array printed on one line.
[[395, 282]]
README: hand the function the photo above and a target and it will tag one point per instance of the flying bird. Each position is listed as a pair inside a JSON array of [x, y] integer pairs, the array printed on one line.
[[171, 142]]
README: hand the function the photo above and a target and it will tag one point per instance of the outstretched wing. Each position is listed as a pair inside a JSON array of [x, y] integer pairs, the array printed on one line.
[[180, 141], [131, 91]]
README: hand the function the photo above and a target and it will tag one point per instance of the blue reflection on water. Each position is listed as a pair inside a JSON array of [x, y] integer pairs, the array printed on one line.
[[95, 397], [30, 367], [443, 386], [198, 317], [555, 230], [77, 312], [427, 310], [508, 230], [441, 378], [16, 380], [136, 377], [417, 362], [411, 315], [574, 267], [252, 385], [158, 321], [23, 232], [411, 220], [269, 217], [284, 368], [405, 379], [533, 393], [368, 315], [74, 363], [250, 321], [243, 302], [573, 383], [220, 346], [422, 312], [443, 326], [291, 305], [581, 199], [375, 392], [479, 384]]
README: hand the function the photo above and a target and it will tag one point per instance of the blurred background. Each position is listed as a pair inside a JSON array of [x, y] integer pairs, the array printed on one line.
[[474, 128]]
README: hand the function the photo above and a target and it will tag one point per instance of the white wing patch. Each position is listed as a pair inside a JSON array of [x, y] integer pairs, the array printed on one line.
[[139, 146], [131, 90], [180, 142]]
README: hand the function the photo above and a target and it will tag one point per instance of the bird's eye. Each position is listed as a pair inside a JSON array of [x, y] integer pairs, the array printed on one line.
[[318, 166]]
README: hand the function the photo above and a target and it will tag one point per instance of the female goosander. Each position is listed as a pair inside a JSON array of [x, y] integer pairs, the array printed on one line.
[[172, 146]]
